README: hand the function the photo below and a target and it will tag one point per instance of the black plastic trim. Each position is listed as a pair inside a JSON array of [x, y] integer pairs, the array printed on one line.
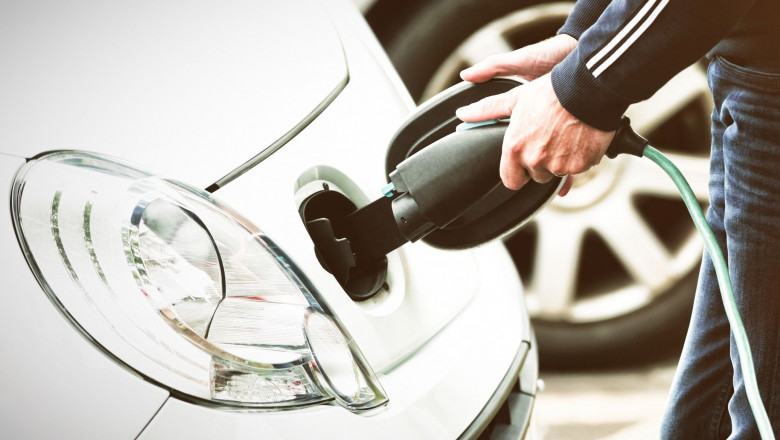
[[502, 393]]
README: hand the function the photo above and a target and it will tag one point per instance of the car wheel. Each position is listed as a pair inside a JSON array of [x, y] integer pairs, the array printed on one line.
[[609, 270]]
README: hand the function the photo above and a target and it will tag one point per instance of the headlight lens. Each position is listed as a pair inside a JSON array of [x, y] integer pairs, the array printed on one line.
[[182, 290]]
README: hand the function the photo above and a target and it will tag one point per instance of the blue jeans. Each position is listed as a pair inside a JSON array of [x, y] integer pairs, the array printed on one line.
[[708, 399]]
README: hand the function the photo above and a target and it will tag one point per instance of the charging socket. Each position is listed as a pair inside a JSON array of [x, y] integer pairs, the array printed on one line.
[[325, 215]]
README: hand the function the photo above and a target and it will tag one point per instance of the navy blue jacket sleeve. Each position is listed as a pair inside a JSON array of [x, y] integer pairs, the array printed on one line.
[[633, 48], [584, 14]]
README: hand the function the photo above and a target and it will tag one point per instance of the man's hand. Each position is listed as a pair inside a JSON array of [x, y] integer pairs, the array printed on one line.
[[529, 62], [543, 138]]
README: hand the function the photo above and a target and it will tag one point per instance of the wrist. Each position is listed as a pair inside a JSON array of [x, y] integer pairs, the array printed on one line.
[[548, 53], [584, 97]]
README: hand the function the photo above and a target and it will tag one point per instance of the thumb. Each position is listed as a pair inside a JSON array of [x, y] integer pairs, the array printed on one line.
[[492, 107]]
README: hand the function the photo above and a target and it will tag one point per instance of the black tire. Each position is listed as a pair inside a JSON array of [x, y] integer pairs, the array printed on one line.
[[419, 36], [650, 334]]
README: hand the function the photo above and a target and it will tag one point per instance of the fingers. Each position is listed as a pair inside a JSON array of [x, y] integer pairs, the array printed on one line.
[[567, 183], [540, 175], [492, 107], [529, 62], [513, 176], [503, 64]]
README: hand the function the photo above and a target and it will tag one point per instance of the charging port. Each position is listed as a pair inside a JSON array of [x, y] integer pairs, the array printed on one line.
[[326, 216]]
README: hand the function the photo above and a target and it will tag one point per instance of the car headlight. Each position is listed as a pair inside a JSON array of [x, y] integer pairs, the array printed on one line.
[[181, 289]]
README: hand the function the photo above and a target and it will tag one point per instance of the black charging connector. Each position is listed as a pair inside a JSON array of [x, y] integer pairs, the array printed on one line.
[[441, 182], [626, 141], [444, 183]]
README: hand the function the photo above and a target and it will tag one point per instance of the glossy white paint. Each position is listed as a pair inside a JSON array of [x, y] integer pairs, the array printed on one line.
[[140, 81], [54, 383], [440, 341], [428, 287], [435, 394]]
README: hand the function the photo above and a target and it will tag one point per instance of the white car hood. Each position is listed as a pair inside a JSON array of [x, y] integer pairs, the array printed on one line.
[[139, 81]]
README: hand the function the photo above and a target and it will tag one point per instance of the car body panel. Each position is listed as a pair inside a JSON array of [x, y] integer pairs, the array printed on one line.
[[139, 81], [55, 384], [441, 338], [427, 286], [434, 394]]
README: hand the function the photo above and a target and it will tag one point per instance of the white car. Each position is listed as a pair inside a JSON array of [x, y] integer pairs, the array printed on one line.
[[159, 281]]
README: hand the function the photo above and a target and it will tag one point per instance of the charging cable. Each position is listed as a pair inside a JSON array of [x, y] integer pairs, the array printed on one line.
[[627, 141], [726, 291]]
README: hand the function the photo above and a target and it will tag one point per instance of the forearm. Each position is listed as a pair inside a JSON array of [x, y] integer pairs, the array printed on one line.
[[633, 48]]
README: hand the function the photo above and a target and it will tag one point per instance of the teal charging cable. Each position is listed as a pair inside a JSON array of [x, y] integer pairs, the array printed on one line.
[[626, 141], [726, 291]]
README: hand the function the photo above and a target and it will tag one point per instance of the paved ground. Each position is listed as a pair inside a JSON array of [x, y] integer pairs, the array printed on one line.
[[607, 405]]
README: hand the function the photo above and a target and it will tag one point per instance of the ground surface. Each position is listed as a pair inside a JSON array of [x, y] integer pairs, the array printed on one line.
[[609, 405]]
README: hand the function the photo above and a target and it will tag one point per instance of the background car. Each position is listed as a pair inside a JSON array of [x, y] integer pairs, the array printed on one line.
[[609, 270], [159, 280]]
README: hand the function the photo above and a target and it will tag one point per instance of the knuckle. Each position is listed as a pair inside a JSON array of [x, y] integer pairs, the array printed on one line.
[[581, 166], [514, 153], [533, 159], [559, 167], [541, 177]]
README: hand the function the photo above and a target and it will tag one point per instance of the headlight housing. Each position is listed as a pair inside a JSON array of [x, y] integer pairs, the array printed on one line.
[[181, 289]]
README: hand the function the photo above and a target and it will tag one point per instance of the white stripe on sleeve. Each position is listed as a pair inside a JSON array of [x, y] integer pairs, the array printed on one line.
[[620, 35], [631, 39]]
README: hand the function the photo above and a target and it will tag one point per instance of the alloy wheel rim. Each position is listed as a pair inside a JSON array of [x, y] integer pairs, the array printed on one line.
[[613, 207]]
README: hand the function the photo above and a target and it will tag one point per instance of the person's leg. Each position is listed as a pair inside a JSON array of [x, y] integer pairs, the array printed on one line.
[[697, 407], [751, 154], [745, 193]]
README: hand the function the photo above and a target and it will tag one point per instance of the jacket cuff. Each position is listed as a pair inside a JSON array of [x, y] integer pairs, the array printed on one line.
[[584, 97]]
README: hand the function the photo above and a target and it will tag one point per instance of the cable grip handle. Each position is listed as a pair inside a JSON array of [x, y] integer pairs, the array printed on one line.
[[626, 141]]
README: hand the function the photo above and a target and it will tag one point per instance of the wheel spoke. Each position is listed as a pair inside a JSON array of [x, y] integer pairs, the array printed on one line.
[[491, 39], [556, 263], [603, 202], [488, 41], [636, 245], [642, 177], [687, 86]]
